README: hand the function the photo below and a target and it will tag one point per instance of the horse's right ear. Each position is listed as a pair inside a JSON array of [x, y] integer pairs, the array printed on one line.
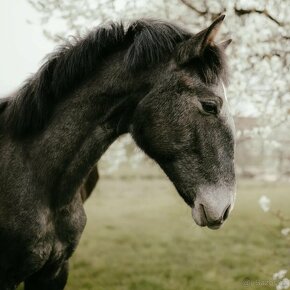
[[195, 46]]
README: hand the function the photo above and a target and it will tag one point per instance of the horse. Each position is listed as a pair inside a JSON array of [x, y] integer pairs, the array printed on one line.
[[152, 79], [87, 187]]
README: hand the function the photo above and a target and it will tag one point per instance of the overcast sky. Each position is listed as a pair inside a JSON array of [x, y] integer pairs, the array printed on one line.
[[23, 45]]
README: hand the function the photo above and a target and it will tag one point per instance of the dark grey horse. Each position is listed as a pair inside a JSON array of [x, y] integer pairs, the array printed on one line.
[[154, 80]]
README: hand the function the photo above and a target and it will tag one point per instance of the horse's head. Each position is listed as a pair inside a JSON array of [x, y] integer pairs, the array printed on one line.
[[185, 125]]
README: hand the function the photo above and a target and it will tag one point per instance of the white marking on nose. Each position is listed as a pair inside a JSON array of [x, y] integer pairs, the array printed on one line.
[[215, 199]]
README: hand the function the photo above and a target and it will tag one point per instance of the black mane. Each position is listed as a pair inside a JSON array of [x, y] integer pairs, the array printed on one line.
[[148, 42]]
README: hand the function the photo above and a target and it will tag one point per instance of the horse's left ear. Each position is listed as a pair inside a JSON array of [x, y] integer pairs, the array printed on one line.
[[224, 44], [195, 46]]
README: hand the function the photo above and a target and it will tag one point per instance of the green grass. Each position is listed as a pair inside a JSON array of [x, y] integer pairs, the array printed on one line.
[[140, 236]]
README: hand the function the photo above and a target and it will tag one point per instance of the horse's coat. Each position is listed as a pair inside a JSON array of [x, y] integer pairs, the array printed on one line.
[[154, 80]]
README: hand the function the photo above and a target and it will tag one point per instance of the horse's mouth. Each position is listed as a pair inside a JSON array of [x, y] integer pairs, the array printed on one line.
[[203, 221], [210, 226], [214, 227]]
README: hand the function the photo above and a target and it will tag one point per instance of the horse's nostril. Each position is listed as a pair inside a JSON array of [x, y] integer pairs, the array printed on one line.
[[207, 219], [203, 212], [226, 213], [214, 221]]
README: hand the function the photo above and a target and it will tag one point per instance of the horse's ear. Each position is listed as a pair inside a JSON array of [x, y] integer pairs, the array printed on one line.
[[224, 44], [195, 46]]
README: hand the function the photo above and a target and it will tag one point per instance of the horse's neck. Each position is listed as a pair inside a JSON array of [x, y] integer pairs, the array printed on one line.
[[81, 129], [81, 161]]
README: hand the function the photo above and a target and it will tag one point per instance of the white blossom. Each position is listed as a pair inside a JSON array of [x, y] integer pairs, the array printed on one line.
[[284, 284], [264, 202], [285, 231], [280, 274]]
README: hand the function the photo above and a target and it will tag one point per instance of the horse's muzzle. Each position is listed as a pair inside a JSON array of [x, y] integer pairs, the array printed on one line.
[[212, 208]]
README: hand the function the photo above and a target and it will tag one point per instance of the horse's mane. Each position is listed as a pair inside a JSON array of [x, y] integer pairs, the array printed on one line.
[[147, 41]]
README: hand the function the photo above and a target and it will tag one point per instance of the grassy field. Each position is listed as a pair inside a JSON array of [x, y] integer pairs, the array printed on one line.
[[140, 236]]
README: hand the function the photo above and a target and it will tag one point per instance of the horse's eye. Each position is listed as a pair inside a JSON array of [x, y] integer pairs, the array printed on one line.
[[210, 107]]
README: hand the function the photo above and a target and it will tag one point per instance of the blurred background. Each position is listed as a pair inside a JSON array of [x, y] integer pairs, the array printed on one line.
[[140, 234]]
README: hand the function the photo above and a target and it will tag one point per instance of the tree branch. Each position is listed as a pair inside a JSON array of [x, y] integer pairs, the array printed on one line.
[[189, 5], [241, 11]]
